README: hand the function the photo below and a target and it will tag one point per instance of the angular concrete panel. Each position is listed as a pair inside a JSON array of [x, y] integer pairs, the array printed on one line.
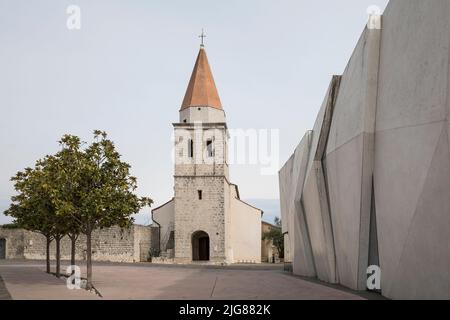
[[292, 177], [318, 218], [302, 262], [347, 118], [344, 167], [350, 160], [285, 183], [411, 122], [385, 175], [414, 63], [402, 161], [448, 134], [323, 122], [315, 194], [300, 165], [423, 271]]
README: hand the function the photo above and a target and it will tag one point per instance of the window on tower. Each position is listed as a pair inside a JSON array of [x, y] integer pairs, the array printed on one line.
[[191, 148], [210, 148], [200, 195]]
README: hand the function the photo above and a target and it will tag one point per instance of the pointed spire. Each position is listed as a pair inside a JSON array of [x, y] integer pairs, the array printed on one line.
[[201, 91]]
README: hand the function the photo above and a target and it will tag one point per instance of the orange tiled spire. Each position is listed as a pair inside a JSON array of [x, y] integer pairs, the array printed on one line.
[[201, 91]]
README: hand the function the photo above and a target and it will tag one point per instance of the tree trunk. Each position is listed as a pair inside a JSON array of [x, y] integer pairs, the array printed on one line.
[[73, 240], [58, 256], [89, 259], [47, 252]]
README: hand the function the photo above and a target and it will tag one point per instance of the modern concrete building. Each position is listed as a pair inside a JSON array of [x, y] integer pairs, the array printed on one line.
[[370, 185], [206, 220]]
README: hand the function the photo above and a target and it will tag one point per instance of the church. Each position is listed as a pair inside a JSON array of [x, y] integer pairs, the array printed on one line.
[[206, 221]]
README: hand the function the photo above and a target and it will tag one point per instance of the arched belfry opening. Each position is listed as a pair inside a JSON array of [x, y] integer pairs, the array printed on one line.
[[200, 246]]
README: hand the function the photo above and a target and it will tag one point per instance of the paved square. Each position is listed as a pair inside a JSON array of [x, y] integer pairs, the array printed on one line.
[[27, 280]]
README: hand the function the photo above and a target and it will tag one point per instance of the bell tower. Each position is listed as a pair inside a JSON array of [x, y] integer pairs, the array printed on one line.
[[201, 170]]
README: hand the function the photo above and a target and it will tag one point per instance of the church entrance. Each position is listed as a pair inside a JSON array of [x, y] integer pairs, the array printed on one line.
[[2, 249], [200, 246]]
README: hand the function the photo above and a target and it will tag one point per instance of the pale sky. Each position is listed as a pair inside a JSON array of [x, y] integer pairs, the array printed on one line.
[[127, 69]]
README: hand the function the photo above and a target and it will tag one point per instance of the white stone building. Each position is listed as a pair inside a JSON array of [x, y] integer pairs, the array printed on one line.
[[206, 220]]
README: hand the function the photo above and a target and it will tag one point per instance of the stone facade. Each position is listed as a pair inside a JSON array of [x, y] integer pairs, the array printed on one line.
[[14, 243], [205, 202], [111, 244], [193, 214]]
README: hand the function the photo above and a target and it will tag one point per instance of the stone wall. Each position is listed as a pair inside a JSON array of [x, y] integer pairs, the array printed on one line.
[[111, 244], [193, 214], [14, 242]]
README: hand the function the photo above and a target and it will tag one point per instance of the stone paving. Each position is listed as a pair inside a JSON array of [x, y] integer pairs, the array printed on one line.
[[27, 280], [30, 282], [4, 293]]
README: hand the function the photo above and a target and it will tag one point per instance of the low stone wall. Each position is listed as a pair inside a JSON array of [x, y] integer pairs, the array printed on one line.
[[110, 244], [14, 242]]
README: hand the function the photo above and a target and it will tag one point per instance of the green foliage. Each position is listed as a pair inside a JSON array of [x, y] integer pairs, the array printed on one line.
[[10, 226], [33, 207], [95, 188], [275, 234], [77, 190]]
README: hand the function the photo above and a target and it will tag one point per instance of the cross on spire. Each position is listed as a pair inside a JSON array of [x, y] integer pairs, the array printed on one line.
[[202, 36]]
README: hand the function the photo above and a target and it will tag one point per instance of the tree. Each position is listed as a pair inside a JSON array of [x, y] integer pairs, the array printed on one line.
[[275, 234], [66, 187], [101, 191], [52, 166], [10, 226], [75, 191], [32, 207]]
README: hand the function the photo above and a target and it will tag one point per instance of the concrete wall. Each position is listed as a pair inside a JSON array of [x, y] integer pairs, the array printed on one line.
[[315, 193], [292, 176], [111, 244], [349, 160], [285, 183], [412, 175], [376, 188]]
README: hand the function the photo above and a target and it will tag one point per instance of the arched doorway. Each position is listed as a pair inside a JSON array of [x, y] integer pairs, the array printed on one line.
[[2, 248], [200, 246]]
